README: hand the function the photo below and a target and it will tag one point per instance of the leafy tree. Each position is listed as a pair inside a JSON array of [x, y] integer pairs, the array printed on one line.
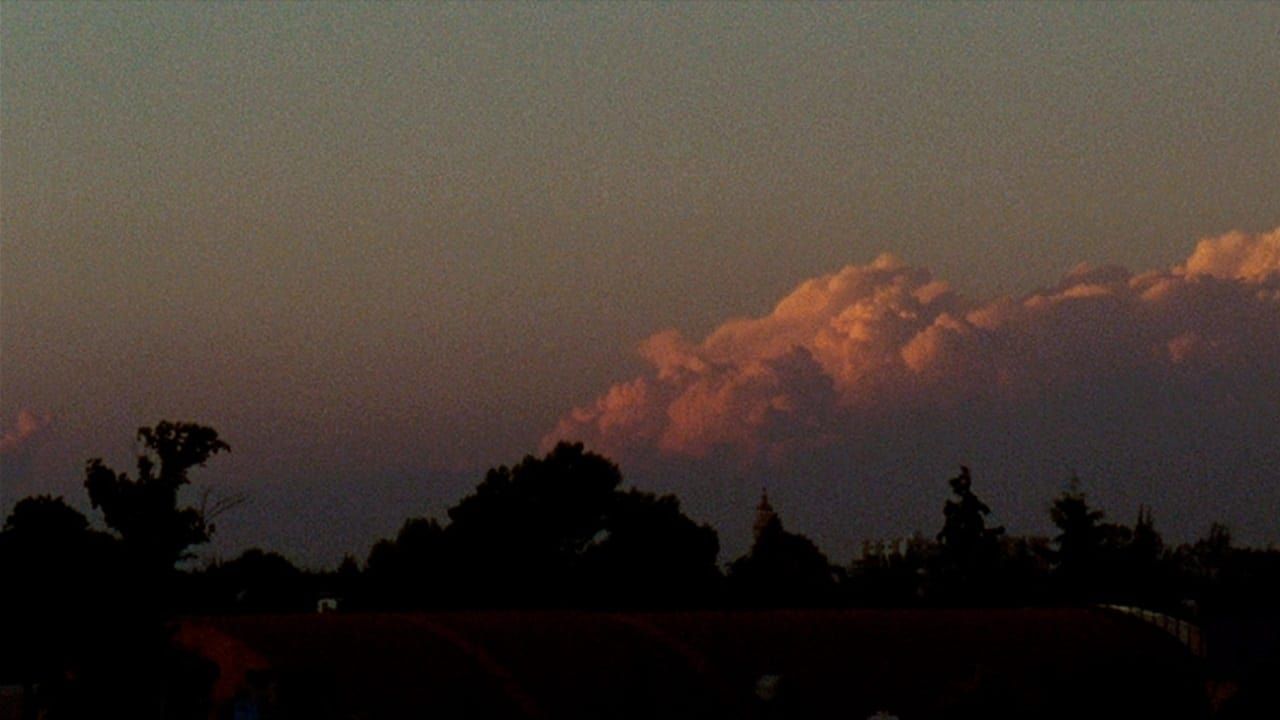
[[345, 582], [48, 552], [889, 574], [52, 605], [551, 530], [1215, 548], [129, 642], [46, 518], [413, 570], [650, 553], [1079, 538], [1212, 569], [782, 569], [1146, 545], [144, 511], [79, 609], [257, 581], [1090, 557], [1145, 573], [524, 529], [969, 551]]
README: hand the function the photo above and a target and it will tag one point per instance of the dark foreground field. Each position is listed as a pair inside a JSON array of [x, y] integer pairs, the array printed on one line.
[[767, 664]]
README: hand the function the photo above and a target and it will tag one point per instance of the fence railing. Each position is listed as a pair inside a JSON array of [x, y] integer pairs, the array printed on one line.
[[1187, 633]]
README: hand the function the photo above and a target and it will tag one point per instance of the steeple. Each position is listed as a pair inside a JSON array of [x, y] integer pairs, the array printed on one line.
[[764, 513]]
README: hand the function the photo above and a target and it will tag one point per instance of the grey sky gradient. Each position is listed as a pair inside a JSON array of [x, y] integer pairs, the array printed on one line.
[[382, 247]]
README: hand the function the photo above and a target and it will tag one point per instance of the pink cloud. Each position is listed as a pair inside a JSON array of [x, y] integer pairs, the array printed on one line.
[[28, 427], [842, 347], [1237, 256]]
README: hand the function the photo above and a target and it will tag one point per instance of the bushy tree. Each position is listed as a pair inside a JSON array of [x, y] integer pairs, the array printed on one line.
[[524, 529], [51, 565], [71, 618], [145, 511], [968, 551], [412, 570], [782, 569], [1146, 546], [1079, 537], [1090, 558], [553, 530], [889, 574], [256, 581], [1145, 570], [650, 553]]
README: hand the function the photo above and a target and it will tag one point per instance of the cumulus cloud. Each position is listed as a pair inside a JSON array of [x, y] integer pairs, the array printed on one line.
[[842, 347], [26, 429], [1237, 256]]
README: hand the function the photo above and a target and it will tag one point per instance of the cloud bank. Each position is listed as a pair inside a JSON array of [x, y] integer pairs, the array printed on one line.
[[842, 350]]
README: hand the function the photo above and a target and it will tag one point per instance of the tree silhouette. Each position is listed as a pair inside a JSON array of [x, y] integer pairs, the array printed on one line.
[[969, 551], [47, 551], [53, 609], [414, 570], [49, 555], [556, 530], [1143, 570], [1090, 560], [45, 518], [156, 532], [889, 574], [125, 645], [649, 553], [256, 581], [524, 529], [1079, 538], [782, 569], [1210, 562], [1146, 545]]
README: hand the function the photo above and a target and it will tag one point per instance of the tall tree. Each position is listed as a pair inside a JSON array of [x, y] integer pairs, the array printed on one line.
[[1146, 546], [145, 511], [413, 570], [1079, 537], [782, 568], [1143, 570], [1089, 562], [969, 551]]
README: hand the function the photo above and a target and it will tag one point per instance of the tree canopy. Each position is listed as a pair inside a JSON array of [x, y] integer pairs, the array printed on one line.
[[782, 568], [559, 530], [552, 530], [969, 551], [145, 511]]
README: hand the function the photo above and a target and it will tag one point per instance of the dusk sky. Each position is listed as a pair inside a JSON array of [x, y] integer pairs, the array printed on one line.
[[835, 250]]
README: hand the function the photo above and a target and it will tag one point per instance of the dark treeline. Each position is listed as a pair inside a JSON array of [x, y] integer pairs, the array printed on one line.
[[84, 611], [556, 531], [563, 531]]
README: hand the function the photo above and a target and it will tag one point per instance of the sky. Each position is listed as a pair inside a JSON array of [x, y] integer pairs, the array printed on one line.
[[832, 250]]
